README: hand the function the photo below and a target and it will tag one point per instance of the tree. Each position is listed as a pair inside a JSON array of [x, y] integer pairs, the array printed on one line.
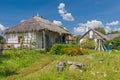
[[1, 38], [101, 30], [116, 43], [77, 38], [114, 32]]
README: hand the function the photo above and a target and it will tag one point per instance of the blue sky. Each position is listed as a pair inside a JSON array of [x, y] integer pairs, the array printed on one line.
[[76, 13]]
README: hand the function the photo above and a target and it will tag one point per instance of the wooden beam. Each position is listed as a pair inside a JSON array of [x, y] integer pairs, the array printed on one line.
[[43, 40]]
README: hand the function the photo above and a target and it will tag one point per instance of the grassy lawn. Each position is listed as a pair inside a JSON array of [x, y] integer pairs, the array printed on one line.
[[34, 65]]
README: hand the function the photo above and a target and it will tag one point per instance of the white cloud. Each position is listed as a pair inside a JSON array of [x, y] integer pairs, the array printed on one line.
[[61, 12], [79, 30], [68, 17], [61, 6], [83, 27], [82, 24], [2, 27], [114, 23], [107, 29], [111, 25], [65, 15], [116, 29], [94, 24], [22, 20], [59, 23]]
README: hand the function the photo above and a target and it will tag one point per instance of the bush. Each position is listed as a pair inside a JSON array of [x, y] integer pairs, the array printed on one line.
[[10, 53], [88, 43], [74, 51], [107, 43], [116, 43], [8, 68], [57, 49]]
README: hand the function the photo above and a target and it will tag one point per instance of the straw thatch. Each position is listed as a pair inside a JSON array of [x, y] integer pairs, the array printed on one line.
[[35, 24], [112, 36]]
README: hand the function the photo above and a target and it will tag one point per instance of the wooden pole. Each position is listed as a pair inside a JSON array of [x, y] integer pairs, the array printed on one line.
[[44, 40]]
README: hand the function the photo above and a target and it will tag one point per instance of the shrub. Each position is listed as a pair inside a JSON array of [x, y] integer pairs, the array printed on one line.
[[74, 51], [10, 53], [8, 68], [88, 43], [107, 43], [57, 49], [84, 51], [116, 43]]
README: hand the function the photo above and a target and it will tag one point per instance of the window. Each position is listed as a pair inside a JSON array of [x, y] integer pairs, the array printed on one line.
[[91, 34], [19, 39]]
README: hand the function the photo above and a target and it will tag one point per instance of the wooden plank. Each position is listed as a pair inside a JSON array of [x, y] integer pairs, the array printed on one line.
[[43, 40]]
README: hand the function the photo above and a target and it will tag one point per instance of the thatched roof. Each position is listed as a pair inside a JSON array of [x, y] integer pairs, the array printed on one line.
[[70, 38], [112, 36], [98, 33], [35, 24]]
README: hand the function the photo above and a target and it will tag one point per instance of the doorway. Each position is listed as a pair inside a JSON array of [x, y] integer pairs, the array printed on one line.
[[47, 41]]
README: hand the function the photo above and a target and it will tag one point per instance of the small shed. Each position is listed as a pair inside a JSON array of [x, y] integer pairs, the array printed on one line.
[[97, 37]]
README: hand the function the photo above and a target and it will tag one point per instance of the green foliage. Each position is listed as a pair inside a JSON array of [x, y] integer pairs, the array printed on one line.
[[108, 69], [43, 68], [2, 40], [77, 38], [12, 60], [116, 43], [74, 51], [101, 30], [114, 32], [8, 68], [107, 43], [72, 44], [88, 43], [10, 53], [57, 49]]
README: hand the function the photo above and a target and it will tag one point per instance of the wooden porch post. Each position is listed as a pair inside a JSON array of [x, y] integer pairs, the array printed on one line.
[[61, 38], [43, 40]]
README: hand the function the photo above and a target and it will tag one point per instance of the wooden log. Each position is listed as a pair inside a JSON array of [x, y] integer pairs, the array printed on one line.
[[43, 40]]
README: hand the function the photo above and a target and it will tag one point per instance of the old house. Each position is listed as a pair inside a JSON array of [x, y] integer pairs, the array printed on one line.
[[36, 30]]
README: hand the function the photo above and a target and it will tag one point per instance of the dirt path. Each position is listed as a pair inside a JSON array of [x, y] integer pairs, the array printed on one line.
[[35, 72], [22, 76]]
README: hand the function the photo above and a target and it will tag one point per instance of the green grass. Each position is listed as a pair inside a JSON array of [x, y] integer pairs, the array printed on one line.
[[34, 65]]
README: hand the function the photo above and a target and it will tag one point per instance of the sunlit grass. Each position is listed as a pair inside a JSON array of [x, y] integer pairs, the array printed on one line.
[[43, 68]]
